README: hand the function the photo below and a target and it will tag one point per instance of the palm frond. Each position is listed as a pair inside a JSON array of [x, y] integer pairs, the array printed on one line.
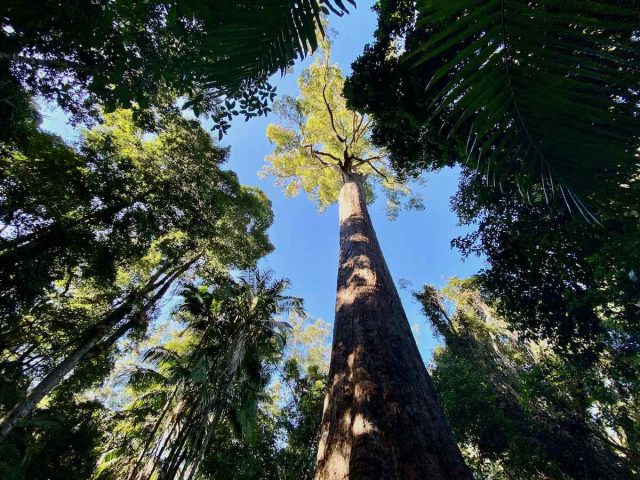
[[537, 91], [250, 41], [160, 355], [142, 377]]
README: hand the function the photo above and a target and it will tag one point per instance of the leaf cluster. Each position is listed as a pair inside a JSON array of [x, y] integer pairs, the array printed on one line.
[[321, 142], [120, 53]]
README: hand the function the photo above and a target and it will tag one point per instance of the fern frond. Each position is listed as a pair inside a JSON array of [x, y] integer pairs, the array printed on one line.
[[549, 88]]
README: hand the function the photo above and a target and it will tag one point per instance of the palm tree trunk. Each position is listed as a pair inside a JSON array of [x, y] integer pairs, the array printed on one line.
[[382, 419], [92, 344]]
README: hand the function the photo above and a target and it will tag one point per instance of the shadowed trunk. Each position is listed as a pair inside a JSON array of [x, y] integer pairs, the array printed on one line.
[[382, 419]]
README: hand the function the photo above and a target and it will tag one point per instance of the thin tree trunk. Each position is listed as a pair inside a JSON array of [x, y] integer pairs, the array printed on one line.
[[91, 345], [382, 419]]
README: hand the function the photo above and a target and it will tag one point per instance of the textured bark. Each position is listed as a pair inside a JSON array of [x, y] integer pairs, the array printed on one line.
[[382, 419]]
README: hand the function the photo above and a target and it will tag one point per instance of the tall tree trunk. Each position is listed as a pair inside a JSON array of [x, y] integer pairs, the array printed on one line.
[[93, 343], [382, 419]]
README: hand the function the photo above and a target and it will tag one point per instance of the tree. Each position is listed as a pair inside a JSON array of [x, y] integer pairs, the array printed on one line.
[[118, 53], [283, 442], [299, 420], [566, 282], [526, 92], [214, 380], [552, 275], [56, 199], [520, 410], [382, 418], [277, 441], [150, 209]]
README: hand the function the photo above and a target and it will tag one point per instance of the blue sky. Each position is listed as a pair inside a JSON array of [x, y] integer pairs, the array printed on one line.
[[416, 245]]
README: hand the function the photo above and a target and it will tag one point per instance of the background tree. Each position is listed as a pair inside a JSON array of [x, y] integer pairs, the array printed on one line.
[[214, 381], [282, 444], [145, 212], [381, 418], [519, 409], [552, 276], [564, 281], [56, 199], [300, 418], [63, 441]]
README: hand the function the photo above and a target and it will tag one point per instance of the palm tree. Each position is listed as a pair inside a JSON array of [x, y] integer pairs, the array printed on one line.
[[551, 84], [235, 334]]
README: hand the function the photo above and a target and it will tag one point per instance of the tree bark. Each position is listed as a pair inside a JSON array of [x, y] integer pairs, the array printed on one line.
[[382, 419], [93, 344]]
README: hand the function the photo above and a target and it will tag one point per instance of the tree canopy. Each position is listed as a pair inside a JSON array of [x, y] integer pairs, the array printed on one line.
[[519, 409], [320, 141], [555, 275], [85, 212], [123, 53], [95, 236]]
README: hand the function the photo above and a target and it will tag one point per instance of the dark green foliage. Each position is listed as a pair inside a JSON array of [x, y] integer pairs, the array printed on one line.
[[299, 421], [553, 276], [521, 411], [539, 92], [59, 442], [283, 444], [120, 52], [574, 285]]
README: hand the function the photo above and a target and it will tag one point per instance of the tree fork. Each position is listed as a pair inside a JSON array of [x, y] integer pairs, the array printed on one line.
[[382, 419]]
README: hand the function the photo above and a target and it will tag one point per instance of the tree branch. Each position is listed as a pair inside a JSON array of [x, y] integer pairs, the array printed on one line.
[[377, 171], [333, 124], [364, 129], [317, 155], [362, 161], [356, 128]]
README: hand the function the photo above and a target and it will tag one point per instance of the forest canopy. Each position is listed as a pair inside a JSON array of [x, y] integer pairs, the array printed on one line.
[[143, 332]]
